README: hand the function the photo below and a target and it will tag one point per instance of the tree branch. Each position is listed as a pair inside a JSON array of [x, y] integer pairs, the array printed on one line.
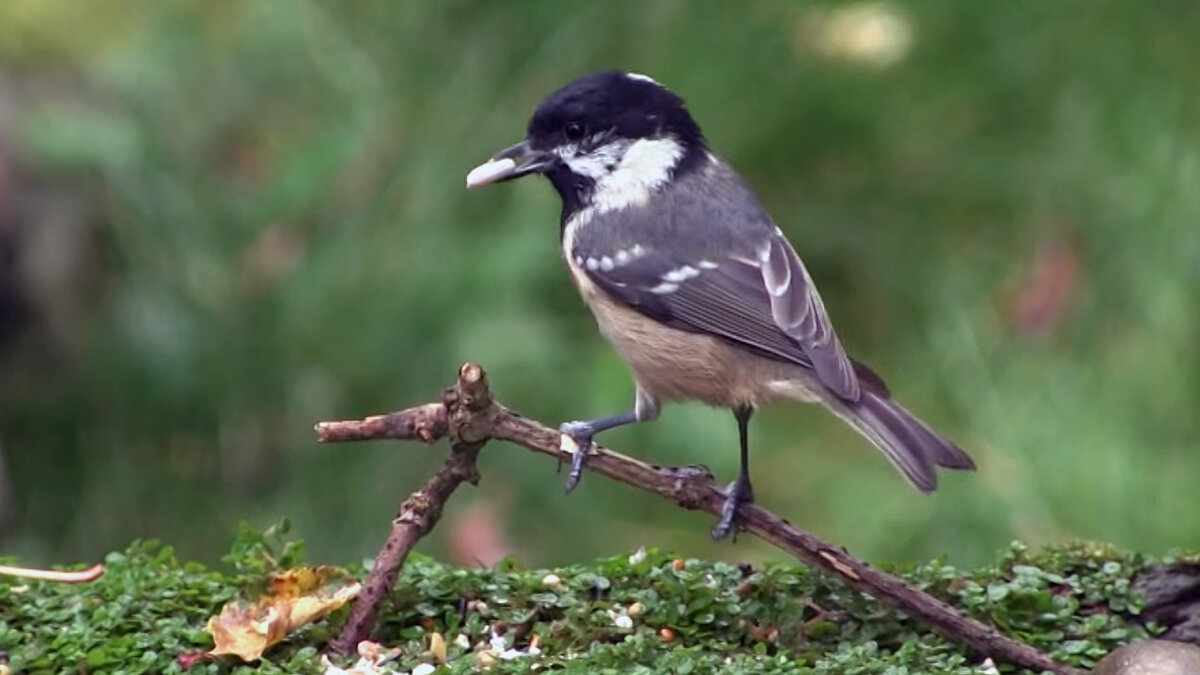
[[469, 417]]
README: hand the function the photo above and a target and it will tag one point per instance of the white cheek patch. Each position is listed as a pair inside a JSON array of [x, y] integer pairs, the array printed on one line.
[[644, 167], [566, 151], [596, 164]]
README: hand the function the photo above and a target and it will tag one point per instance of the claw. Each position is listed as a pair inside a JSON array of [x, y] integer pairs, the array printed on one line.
[[580, 436], [576, 471], [739, 492]]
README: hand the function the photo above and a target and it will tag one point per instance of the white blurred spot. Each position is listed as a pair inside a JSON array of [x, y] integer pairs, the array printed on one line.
[[872, 34], [641, 77]]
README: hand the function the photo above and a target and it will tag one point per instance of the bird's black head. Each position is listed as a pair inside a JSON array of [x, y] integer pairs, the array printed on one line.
[[611, 104], [606, 139]]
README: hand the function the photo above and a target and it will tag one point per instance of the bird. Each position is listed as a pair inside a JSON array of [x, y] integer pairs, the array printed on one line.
[[691, 281]]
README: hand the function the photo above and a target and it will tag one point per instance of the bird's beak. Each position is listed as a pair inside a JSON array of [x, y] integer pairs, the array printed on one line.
[[510, 163]]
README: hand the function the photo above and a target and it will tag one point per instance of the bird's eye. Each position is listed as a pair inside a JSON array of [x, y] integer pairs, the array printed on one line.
[[573, 131]]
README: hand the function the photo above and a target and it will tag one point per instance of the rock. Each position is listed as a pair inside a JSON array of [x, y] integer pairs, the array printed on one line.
[[1154, 657], [1171, 592]]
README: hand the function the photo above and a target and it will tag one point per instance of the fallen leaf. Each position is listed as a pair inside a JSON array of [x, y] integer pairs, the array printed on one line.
[[289, 600], [437, 645], [1048, 288]]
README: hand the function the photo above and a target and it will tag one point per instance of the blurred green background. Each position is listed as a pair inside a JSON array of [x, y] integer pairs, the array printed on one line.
[[223, 221]]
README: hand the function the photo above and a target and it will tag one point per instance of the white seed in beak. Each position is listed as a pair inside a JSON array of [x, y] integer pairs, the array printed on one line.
[[490, 171]]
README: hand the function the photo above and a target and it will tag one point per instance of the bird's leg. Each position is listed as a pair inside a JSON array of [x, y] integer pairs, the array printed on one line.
[[739, 491], [645, 408]]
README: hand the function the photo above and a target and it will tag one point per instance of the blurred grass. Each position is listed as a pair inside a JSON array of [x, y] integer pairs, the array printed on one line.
[[283, 237]]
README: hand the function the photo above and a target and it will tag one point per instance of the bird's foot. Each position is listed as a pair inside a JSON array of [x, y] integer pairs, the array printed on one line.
[[739, 492], [579, 434]]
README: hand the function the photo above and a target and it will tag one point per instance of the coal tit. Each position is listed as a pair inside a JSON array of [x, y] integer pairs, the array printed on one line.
[[691, 281]]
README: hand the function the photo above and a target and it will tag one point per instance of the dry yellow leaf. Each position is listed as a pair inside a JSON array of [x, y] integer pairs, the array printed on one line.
[[437, 645], [289, 600]]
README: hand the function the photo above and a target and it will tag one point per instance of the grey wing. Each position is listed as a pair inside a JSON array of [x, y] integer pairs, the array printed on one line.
[[799, 312], [764, 300]]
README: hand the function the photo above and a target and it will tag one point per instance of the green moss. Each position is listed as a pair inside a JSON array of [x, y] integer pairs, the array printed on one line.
[[149, 609]]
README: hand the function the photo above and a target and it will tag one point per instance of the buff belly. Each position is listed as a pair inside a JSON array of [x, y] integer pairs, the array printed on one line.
[[672, 364]]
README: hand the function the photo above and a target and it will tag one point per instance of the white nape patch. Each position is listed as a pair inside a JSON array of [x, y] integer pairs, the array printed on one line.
[[681, 274], [642, 78], [708, 265], [664, 288]]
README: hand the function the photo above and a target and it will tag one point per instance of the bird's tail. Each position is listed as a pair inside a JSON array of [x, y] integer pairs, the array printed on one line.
[[908, 443]]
